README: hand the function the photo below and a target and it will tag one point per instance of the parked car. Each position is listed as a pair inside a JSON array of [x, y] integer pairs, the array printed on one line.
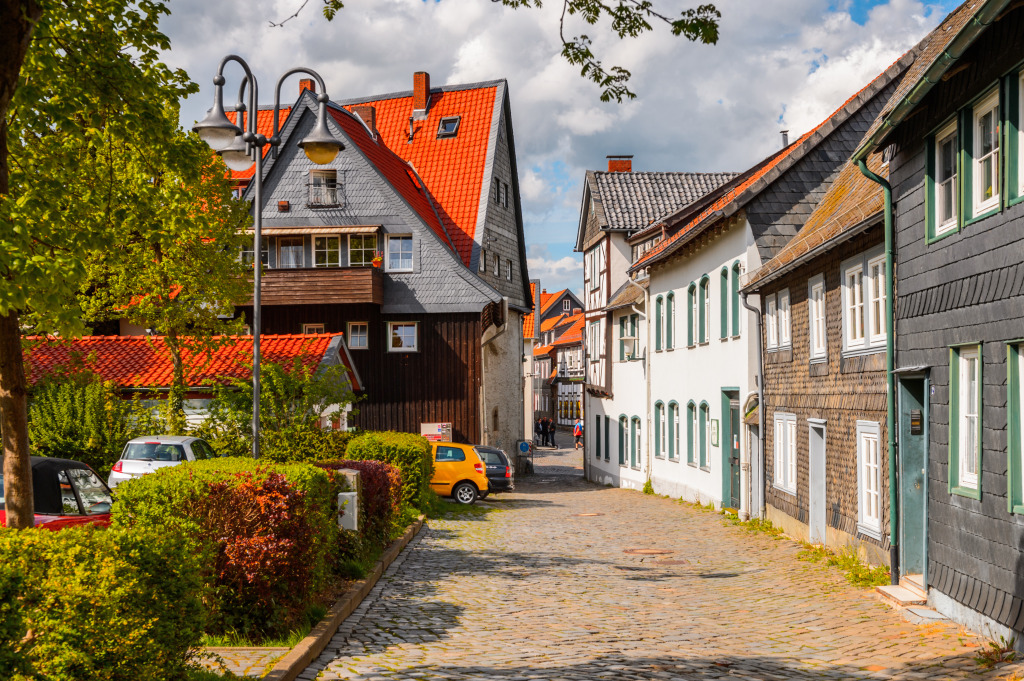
[[66, 493], [147, 454], [500, 476], [458, 472]]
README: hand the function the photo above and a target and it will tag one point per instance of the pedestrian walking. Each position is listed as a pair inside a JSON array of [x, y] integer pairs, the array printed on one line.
[[549, 436], [577, 432], [538, 432]]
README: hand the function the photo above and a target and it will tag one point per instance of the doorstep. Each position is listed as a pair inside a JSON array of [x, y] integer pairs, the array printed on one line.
[[900, 596]]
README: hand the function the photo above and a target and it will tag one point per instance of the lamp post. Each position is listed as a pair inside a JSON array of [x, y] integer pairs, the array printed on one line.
[[240, 149]]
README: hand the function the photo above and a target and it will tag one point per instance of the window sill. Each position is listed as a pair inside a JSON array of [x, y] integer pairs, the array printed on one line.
[[706, 469], [691, 464], [1018, 509], [933, 238], [968, 492], [397, 271], [777, 488], [1016, 200], [818, 360], [870, 350], [874, 533], [404, 351], [978, 218], [736, 336]]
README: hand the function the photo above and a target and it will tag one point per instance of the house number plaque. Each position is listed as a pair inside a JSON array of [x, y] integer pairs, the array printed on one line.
[[916, 422], [714, 432]]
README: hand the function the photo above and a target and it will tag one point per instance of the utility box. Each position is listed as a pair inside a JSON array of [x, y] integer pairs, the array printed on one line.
[[348, 511]]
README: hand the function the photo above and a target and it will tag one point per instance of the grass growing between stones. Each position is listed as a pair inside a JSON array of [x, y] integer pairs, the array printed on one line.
[[238, 640], [856, 571], [996, 652]]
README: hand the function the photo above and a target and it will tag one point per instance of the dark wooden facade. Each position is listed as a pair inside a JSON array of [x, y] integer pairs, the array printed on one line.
[[439, 383], [836, 393], [965, 288], [298, 286]]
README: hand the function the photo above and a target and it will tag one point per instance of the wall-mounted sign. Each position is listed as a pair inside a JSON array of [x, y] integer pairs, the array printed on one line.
[[714, 432], [436, 432]]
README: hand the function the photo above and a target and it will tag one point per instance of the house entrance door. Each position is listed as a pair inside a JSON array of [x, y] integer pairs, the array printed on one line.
[[913, 484], [734, 449], [816, 482]]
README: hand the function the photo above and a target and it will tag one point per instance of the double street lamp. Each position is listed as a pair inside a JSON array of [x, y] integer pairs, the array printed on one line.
[[240, 149]]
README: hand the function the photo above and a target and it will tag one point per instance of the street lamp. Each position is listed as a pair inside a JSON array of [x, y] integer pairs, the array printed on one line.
[[240, 149]]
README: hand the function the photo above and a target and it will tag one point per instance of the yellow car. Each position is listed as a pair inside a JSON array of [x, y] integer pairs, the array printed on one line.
[[458, 472]]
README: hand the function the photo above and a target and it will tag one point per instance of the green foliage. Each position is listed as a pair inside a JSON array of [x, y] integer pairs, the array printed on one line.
[[996, 652], [857, 573], [380, 499], [99, 605], [648, 487], [268, 534], [81, 417], [411, 454]]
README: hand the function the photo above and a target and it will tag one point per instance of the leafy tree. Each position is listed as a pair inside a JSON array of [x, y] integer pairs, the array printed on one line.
[[177, 271], [629, 19], [83, 99]]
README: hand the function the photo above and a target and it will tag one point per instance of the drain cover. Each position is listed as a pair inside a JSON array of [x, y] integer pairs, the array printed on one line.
[[647, 552], [588, 515]]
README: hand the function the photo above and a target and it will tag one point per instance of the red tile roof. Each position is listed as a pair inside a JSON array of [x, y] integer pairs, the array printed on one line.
[[542, 350], [145, 362], [549, 324], [549, 299], [574, 334], [528, 319]]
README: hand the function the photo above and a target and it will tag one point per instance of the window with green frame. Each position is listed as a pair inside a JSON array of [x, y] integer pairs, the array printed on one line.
[[634, 442], [607, 439], [691, 314], [623, 442], [691, 432], [1015, 427], [597, 436], [705, 309], [670, 320], [634, 321], [704, 434], [736, 298], [723, 295], [659, 429], [659, 311], [673, 430], [965, 422], [1014, 120], [622, 334]]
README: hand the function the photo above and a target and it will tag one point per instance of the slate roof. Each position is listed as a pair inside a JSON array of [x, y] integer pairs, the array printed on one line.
[[848, 204], [145, 362], [452, 168]]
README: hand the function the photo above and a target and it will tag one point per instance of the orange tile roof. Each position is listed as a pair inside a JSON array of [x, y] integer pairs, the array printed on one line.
[[574, 334], [145, 362], [549, 324], [542, 350], [528, 319], [549, 299]]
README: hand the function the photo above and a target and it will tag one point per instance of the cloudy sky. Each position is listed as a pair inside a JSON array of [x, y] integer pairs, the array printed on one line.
[[779, 64]]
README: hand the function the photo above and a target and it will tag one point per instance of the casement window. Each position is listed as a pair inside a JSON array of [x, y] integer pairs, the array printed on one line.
[[673, 431], [659, 314], [326, 251], [1015, 426], [771, 322], [623, 439], [496, 265], [736, 271], [691, 315], [660, 430], [635, 449], [985, 127], [944, 194], [594, 267], [1015, 136], [723, 299], [449, 127], [264, 251], [481, 266], [691, 433], [323, 188], [312, 328], [400, 253], [704, 433], [622, 334], [785, 330], [508, 270], [869, 479], [784, 440], [607, 442], [670, 320], [705, 309], [361, 249], [816, 331], [864, 303], [566, 305], [403, 336], [594, 341], [358, 335], [965, 388], [597, 437], [290, 251], [634, 321]]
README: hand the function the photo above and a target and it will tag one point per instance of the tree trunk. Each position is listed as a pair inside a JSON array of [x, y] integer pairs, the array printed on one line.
[[14, 425], [17, 20], [176, 395]]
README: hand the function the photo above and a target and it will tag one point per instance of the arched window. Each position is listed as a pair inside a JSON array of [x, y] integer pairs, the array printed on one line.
[[670, 320], [705, 310], [704, 424], [622, 439], [691, 315], [673, 430], [691, 432], [723, 295], [659, 311], [660, 425], [736, 298], [635, 449]]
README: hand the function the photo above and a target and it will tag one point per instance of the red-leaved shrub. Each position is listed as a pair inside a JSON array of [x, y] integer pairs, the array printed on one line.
[[381, 499]]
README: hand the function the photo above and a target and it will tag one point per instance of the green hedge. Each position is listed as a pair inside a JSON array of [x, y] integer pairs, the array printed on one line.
[[101, 605], [269, 534], [410, 453], [304, 444]]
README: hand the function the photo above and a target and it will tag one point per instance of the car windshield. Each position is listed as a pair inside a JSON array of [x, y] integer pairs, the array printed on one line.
[[94, 494], [153, 451], [492, 457]]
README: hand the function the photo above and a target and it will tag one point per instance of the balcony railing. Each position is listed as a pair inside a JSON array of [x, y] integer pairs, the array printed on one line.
[[323, 195], [312, 285]]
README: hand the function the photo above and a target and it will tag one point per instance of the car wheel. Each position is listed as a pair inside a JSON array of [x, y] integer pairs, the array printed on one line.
[[465, 493], [483, 495]]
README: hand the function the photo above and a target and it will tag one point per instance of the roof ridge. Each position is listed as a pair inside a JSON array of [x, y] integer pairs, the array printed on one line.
[[399, 94]]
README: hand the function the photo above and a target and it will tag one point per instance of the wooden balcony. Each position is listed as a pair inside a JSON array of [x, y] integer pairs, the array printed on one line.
[[319, 285]]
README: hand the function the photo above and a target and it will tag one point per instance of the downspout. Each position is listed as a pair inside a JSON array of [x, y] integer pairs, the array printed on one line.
[[647, 371], [760, 405], [890, 377]]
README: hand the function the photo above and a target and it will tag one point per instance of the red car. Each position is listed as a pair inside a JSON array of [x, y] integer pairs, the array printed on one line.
[[66, 493]]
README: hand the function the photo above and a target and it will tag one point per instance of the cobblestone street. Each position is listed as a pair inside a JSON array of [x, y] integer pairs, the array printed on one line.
[[543, 586]]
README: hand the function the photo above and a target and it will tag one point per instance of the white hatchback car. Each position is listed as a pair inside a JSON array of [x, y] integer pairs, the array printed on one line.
[[146, 454]]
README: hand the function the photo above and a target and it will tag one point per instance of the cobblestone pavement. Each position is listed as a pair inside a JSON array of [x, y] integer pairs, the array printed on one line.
[[542, 586]]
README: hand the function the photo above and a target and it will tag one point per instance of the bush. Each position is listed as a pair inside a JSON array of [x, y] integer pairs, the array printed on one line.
[[88, 604], [269, 534], [304, 445], [409, 453], [380, 500]]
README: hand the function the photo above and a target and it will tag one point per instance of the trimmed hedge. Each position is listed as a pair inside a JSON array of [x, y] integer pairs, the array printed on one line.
[[380, 500], [101, 605], [305, 444], [269, 534], [409, 453]]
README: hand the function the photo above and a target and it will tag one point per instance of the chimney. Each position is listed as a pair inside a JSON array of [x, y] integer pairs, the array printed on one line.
[[785, 138], [620, 164], [369, 116], [420, 93], [576, 311], [307, 84], [544, 291]]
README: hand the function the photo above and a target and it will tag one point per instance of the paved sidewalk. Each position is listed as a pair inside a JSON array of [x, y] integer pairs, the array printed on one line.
[[545, 585]]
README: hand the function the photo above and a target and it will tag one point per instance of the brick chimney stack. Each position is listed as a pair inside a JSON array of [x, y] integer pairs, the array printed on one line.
[[369, 116], [576, 311], [307, 84], [420, 93], [620, 164]]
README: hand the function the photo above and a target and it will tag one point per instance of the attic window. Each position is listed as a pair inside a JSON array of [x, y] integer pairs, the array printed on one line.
[[449, 127], [323, 188]]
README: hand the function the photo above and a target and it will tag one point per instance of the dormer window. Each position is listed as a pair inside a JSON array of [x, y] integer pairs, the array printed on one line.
[[449, 127], [323, 188]]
